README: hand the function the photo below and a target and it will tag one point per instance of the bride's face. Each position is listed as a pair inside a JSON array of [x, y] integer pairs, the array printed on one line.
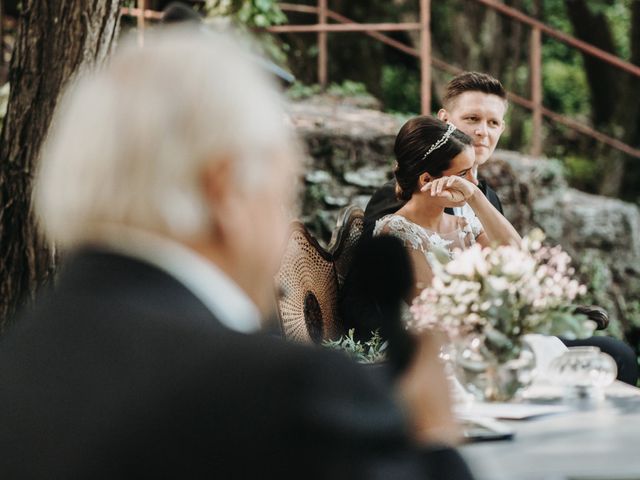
[[462, 165]]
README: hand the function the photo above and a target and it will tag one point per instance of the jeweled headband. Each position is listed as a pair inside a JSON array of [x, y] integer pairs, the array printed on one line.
[[450, 129]]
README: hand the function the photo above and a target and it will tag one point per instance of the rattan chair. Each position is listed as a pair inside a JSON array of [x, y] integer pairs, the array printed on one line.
[[310, 278], [345, 239]]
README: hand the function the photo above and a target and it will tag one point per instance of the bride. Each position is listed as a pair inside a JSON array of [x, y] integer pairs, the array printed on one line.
[[435, 170]]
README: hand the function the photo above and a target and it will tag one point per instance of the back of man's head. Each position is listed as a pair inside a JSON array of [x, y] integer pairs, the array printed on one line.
[[472, 82], [128, 142]]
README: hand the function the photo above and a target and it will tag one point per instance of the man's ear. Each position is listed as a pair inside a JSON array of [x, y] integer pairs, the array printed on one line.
[[443, 115], [216, 180], [219, 190]]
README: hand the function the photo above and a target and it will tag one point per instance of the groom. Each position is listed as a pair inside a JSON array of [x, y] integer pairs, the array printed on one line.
[[476, 104]]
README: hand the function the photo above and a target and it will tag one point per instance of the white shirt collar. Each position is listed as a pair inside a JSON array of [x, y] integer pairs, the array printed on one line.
[[221, 295]]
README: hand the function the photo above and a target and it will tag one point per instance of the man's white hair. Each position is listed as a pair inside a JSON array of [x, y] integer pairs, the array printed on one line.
[[128, 143]]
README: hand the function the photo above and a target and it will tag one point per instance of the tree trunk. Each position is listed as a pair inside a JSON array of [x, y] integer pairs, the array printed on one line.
[[593, 28], [55, 40], [629, 109], [613, 93]]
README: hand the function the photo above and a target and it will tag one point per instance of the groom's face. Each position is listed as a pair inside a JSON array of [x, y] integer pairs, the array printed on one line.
[[479, 115]]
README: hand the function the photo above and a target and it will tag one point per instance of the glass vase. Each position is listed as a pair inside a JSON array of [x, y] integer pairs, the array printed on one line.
[[583, 371], [486, 376]]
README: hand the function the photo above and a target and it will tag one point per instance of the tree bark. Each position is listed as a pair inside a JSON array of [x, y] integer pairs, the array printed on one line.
[[55, 41]]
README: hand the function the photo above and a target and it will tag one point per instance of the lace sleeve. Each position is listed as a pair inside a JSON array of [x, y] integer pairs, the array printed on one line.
[[396, 225]]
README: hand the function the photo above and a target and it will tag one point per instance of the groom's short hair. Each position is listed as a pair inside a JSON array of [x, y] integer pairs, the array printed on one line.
[[472, 82]]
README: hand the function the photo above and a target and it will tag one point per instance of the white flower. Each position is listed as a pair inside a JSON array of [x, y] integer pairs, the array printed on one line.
[[520, 287], [457, 267], [499, 284]]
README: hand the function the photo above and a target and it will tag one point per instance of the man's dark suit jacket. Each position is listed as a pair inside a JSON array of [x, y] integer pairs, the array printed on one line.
[[120, 371], [384, 202]]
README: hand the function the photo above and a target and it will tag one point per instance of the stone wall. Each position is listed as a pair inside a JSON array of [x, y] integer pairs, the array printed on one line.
[[351, 154]]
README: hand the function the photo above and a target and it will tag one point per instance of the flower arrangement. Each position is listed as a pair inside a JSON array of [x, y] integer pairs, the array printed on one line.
[[502, 294]]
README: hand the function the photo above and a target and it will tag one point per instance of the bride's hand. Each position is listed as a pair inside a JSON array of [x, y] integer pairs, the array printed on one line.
[[456, 189]]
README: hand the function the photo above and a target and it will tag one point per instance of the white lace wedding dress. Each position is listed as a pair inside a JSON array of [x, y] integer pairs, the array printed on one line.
[[432, 244], [417, 237]]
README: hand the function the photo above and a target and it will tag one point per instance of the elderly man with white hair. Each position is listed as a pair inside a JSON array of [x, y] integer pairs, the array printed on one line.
[[165, 182]]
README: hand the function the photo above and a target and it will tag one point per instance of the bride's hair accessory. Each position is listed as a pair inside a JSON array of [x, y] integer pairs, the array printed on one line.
[[450, 129]]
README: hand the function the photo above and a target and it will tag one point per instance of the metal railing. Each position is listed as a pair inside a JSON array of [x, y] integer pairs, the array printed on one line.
[[374, 30]]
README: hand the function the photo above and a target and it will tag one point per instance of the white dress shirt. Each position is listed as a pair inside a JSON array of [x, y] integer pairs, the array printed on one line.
[[464, 211]]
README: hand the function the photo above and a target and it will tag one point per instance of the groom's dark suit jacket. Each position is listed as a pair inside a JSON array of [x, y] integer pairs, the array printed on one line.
[[121, 372]]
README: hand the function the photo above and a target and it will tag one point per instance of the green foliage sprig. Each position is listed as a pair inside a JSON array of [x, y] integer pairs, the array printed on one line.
[[251, 13], [300, 91], [371, 351]]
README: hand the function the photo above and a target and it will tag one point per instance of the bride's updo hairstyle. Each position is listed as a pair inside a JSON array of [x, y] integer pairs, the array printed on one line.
[[416, 138]]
